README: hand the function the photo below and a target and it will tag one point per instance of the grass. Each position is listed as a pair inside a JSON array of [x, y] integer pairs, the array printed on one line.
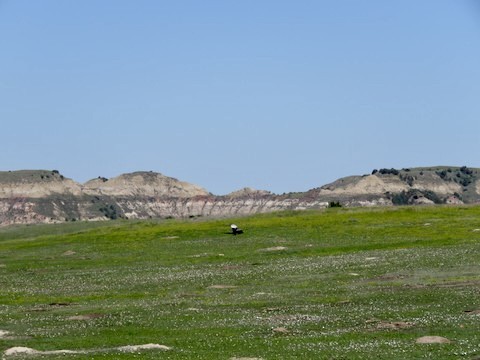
[[327, 284]]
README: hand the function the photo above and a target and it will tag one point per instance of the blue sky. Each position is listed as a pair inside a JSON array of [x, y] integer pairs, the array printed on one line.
[[276, 95]]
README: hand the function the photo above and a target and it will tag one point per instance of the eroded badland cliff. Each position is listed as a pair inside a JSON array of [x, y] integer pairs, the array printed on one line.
[[41, 196]]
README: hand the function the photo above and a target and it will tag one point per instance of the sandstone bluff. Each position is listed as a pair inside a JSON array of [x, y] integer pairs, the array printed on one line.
[[46, 196]]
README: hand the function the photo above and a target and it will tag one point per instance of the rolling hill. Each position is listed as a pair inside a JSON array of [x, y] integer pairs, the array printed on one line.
[[46, 196]]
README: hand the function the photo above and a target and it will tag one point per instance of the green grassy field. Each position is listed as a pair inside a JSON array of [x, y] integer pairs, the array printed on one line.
[[332, 284]]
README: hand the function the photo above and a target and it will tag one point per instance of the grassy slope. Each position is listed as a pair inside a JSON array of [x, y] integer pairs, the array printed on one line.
[[341, 281]]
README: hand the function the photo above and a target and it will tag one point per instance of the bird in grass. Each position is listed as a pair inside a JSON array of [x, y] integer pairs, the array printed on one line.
[[235, 229]]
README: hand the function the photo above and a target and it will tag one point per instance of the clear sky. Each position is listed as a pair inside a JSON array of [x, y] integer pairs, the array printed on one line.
[[271, 94]]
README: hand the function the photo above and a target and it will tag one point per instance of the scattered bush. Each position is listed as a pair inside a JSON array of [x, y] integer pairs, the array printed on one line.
[[400, 198], [409, 179], [391, 171], [430, 195], [465, 181], [109, 212], [405, 197], [464, 176], [466, 170], [442, 174], [334, 204]]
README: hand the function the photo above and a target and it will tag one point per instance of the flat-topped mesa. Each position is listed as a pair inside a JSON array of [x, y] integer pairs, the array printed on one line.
[[36, 184], [143, 183]]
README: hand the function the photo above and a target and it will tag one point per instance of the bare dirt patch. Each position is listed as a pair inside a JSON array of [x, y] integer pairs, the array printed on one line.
[[69, 253], [86, 317], [18, 350], [222, 287], [395, 325], [22, 351], [135, 348], [59, 304], [390, 277], [458, 284], [274, 248], [472, 312], [199, 255], [281, 330], [432, 340]]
